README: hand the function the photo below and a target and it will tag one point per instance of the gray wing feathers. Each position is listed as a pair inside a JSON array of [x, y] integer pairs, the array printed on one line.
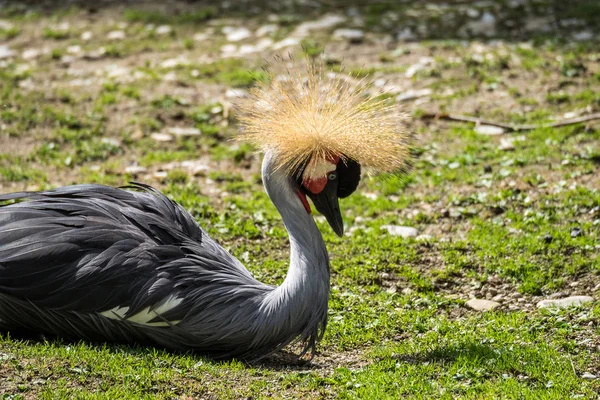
[[100, 263], [84, 249]]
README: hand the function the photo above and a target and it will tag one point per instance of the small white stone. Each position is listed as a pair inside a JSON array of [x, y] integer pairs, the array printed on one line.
[[326, 22], [236, 93], [412, 94], [6, 52], [413, 69], [81, 82], [30, 54], [421, 64], [111, 141], [116, 35], [571, 114], [247, 49], [404, 231], [585, 35], [161, 137], [473, 12], [95, 54], [588, 375], [164, 30], [406, 35], [287, 42], [135, 170], [75, 49], [179, 131], [116, 71], [352, 35], [22, 68], [506, 144], [236, 34], [174, 62], [195, 166], [139, 75], [267, 30], [200, 36], [489, 130], [66, 60], [87, 36], [352, 229], [565, 302], [379, 83], [229, 49], [264, 43], [170, 77], [5, 25], [63, 26], [482, 305]]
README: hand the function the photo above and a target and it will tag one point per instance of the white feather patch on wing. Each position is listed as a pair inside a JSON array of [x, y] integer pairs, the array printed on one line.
[[147, 314], [115, 313]]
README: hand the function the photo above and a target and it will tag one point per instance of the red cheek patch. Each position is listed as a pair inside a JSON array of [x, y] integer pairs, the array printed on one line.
[[315, 186], [304, 201]]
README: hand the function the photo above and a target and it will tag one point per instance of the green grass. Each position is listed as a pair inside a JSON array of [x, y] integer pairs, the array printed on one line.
[[489, 355], [56, 34], [522, 224], [18, 173], [9, 33], [231, 72], [198, 16]]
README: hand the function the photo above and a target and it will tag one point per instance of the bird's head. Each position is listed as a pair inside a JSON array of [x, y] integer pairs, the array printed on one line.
[[322, 129], [331, 179]]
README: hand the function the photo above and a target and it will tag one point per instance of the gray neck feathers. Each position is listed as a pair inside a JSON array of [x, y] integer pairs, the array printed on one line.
[[300, 303]]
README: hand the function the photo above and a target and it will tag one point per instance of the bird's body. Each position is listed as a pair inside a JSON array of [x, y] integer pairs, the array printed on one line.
[[108, 264], [101, 263]]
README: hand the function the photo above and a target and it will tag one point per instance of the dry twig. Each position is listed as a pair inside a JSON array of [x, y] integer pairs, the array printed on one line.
[[509, 127]]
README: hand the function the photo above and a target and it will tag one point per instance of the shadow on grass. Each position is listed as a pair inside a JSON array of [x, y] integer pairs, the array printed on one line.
[[446, 354], [279, 361]]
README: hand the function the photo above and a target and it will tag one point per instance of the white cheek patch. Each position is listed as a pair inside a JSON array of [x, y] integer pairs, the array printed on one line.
[[318, 170], [146, 315]]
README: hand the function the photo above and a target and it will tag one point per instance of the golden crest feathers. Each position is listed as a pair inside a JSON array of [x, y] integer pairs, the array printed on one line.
[[317, 117]]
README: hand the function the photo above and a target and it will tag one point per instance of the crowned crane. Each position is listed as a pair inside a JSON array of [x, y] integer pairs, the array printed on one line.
[[130, 265]]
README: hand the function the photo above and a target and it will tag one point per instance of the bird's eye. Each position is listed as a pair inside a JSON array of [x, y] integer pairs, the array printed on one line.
[[332, 176]]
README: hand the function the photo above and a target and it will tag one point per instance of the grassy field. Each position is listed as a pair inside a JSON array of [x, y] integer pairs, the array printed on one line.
[[112, 93]]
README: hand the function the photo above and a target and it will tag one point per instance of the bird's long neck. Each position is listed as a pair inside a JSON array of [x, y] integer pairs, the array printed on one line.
[[300, 302]]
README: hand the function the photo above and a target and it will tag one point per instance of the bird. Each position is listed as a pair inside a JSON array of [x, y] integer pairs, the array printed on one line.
[[130, 265]]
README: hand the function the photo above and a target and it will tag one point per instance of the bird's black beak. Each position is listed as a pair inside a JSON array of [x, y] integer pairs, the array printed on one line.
[[327, 204]]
